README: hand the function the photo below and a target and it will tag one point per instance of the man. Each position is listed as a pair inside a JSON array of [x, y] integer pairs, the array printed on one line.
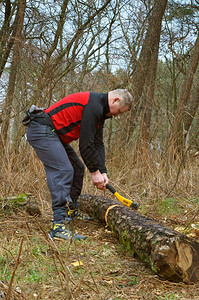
[[50, 132]]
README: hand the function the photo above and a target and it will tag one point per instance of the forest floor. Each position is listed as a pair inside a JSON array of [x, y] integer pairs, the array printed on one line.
[[34, 267]]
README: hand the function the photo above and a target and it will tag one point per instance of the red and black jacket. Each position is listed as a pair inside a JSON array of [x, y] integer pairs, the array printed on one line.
[[82, 116]]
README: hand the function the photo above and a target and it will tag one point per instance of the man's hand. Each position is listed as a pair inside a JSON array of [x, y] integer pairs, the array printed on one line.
[[100, 180], [105, 179]]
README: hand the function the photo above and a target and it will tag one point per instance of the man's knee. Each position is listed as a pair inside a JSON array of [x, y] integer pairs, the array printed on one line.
[[65, 175]]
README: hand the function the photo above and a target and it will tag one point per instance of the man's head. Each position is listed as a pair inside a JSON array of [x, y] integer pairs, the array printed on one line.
[[119, 101]]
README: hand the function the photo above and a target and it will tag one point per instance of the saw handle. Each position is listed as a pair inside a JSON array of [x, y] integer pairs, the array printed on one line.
[[125, 201], [111, 188]]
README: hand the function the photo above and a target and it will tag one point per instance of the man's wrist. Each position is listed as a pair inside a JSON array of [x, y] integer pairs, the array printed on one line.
[[95, 172]]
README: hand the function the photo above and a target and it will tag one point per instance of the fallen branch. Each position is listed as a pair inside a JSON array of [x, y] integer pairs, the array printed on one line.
[[170, 254]]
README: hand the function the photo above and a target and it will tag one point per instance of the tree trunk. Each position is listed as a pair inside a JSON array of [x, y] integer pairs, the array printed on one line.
[[7, 107], [7, 33], [143, 143], [170, 254], [139, 75], [176, 130], [190, 114]]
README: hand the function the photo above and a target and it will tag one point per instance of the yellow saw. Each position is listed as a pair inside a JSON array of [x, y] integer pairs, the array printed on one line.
[[125, 201]]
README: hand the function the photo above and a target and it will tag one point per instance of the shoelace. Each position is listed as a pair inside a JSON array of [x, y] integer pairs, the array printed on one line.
[[62, 229]]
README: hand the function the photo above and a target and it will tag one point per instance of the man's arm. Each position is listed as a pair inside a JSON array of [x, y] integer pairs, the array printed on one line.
[[91, 145], [86, 142], [99, 147]]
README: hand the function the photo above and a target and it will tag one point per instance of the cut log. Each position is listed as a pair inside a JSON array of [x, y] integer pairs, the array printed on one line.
[[170, 254]]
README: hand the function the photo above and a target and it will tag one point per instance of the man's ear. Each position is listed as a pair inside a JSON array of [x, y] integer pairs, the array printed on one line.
[[116, 99]]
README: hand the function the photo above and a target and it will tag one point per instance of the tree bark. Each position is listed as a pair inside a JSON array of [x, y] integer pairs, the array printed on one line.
[[148, 98], [139, 75], [190, 114], [176, 132], [7, 107], [7, 33], [170, 254]]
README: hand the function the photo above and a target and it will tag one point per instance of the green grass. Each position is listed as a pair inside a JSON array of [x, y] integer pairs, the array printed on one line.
[[109, 270], [169, 206], [172, 296]]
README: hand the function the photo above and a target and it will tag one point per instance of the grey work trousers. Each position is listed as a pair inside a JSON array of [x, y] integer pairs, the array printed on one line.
[[64, 169]]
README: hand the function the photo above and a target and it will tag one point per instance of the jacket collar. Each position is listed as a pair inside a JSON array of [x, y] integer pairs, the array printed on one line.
[[105, 105]]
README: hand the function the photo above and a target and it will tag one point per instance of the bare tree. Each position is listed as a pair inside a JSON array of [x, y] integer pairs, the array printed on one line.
[[148, 97], [191, 112], [7, 107], [60, 63], [8, 32], [176, 130], [139, 75]]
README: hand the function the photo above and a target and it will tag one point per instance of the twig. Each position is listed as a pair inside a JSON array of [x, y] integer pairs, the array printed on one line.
[[57, 271], [179, 169], [181, 163], [57, 252], [58, 255], [166, 190], [13, 273], [192, 219], [94, 282]]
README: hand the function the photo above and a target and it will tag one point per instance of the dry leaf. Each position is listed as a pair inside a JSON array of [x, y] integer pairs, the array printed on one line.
[[77, 263]]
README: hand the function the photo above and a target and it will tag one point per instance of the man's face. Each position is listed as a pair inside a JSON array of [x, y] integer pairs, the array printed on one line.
[[116, 109]]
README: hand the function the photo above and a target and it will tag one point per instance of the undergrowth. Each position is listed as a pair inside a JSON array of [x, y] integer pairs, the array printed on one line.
[[34, 267]]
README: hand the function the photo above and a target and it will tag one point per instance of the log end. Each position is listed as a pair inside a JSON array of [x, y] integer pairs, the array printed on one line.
[[178, 261]]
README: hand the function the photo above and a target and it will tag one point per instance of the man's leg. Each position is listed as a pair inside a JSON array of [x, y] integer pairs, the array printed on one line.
[[78, 175], [59, 171], [77, 184]]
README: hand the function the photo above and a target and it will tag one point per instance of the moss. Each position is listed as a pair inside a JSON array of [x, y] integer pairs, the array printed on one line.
[[126, 242], [16, 200], [22, 198], [124, 237], [153, 268], [144, 258]]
